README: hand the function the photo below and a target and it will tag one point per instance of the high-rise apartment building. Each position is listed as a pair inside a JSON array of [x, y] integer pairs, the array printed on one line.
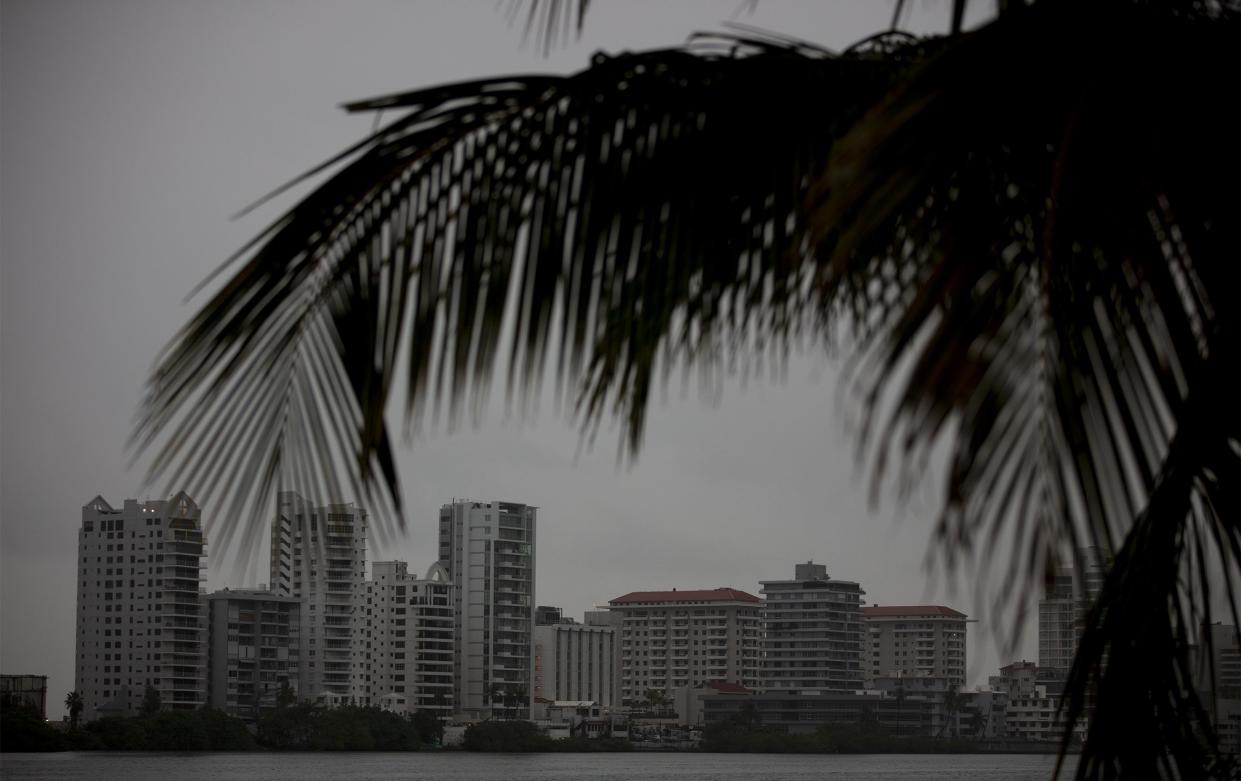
[[579, 662], [253, 644], [812, 633], [488, 549], [410, 629], [672, 639], [140, 613], [318, 556], [925, 641], [1063, 610]]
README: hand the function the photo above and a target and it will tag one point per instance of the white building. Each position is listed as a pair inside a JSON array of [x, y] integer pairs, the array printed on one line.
[[673, 639], [410, 629], [577, 662], [1035, 698], [812, 634], [318, 555], [488, 549], [253, 642], [140, 613], [915, 641]]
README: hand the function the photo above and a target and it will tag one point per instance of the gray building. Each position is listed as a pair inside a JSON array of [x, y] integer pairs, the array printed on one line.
[[488, 550], [410, 632], [253, 643], [915, 641], [812, 634], [26, 689], [140, 614], [318, 556], [577, 662], [674, 639], [1219, 682]]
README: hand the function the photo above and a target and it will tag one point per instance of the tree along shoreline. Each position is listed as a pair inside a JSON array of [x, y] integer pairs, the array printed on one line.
[[303, 728]]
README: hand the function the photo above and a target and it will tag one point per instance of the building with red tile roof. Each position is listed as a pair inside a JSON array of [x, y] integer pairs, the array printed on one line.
[[915, 640], [685, 638]]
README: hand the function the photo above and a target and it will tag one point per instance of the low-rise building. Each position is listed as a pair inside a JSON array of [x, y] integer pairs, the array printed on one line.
[[798, 714], [1034, 699], [577, 662], [28, 690]]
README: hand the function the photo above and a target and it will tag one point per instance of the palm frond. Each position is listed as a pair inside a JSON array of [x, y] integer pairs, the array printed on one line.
[[1038, 242], [1048, 237], [651, 201]]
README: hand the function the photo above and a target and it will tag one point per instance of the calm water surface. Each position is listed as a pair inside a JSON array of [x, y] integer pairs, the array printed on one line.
[[431, 766]]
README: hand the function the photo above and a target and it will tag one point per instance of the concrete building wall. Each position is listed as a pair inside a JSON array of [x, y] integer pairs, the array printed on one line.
[[674, 639], [576, 662], [140, 612], [254, 640], [410, 636], [812, 633], [319, 557], [488, 549], [916, 641]]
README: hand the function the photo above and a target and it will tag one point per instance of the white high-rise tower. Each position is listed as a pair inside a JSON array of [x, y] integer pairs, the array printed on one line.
[[488, 550], [140, 618], [318, 555]]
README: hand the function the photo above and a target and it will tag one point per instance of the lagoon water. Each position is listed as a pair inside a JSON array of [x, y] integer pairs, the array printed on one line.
[[454, 766]]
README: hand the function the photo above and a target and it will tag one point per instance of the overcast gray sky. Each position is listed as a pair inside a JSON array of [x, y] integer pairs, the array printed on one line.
[[132, 130]]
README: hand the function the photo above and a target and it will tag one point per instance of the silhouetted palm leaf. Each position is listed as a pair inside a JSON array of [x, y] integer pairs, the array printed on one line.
[[1038, 219], [1049, 236], [649, 202]]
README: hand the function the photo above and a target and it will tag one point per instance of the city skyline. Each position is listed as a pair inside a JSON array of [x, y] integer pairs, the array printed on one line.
[[471, 647], [720, 495]]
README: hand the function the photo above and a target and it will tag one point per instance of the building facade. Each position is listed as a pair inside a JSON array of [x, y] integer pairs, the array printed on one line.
[[674, 639], [318, 556], [1219, 682], [1062, 611], [802, 714], [812, 634], [410, 631], [577, 662], [915, 641], [488, 550], [253, 642], [140, 614], [28, 690]]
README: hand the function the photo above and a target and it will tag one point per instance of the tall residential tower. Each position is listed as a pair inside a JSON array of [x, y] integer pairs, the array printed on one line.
[[409, 636], [488, 550], [1062, 611], [140, 616], [318, 555]]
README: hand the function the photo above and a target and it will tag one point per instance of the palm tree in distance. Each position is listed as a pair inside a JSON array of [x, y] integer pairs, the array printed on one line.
[[74, 704], [1027, 234]]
